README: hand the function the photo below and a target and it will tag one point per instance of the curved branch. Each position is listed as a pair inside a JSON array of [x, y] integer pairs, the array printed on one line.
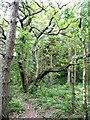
[[56, 69], [51, 69]]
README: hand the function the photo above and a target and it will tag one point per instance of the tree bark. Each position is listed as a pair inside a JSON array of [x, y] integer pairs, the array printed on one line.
[[36, 61], [8, 58], [73, 90], [22, 64], [69, 76], [0, 87], [88, 61], [51, 64], [84, 69], [84, 81], [48, 70], [75, 68], [69, 72], [23, 76]]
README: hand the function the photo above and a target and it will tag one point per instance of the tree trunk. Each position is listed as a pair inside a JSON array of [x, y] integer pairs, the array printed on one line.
[[69, 76], [75, 68], [88, 64], [41, 64], [51, 75], [22, 64], [23, 76], [8, 58], [0, 87], [36, 61], [69, 72], [84, 70], [84, 81], [73, 89]]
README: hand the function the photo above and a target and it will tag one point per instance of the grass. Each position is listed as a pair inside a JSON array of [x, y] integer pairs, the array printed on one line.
[[15, 107], [55, 99], [59, 98], [14, 103]]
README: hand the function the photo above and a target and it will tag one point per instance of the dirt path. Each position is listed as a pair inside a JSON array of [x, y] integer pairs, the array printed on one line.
[[29, 111]]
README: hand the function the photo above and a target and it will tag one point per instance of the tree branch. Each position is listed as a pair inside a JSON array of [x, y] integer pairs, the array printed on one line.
[[2, 54], [57, 69], [50, 22], [2, 31], [60, 7], [51, 69]]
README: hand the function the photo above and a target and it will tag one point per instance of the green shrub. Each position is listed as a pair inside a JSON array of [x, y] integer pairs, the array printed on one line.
[[15, 106], [88, 110]]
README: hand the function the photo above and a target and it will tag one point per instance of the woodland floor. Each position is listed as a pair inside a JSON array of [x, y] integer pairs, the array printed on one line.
[[29, 110], [46, 102]]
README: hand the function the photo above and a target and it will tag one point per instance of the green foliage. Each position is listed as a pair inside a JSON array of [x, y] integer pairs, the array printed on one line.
[[15, 104], [88, 110], [59, 98], [58, 95], [15, 107]]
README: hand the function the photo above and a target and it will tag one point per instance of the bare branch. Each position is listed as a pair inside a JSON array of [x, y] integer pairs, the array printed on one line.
[[27, 15], [36, 29], [2, 54], [61, 29], [39, 5], [2, 40], [3, 34], [60, 7], [65, 35], [50, 22], [65, 27], [35, 34], [6, 21]]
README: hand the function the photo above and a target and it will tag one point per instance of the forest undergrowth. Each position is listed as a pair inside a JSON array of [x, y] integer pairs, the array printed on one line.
[[53, 101]]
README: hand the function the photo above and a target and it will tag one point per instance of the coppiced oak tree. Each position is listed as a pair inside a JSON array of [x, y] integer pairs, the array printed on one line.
[[7, 58], [30, 20]]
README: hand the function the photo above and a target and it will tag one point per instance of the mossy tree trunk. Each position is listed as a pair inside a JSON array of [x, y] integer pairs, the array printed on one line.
[[23, 76]]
